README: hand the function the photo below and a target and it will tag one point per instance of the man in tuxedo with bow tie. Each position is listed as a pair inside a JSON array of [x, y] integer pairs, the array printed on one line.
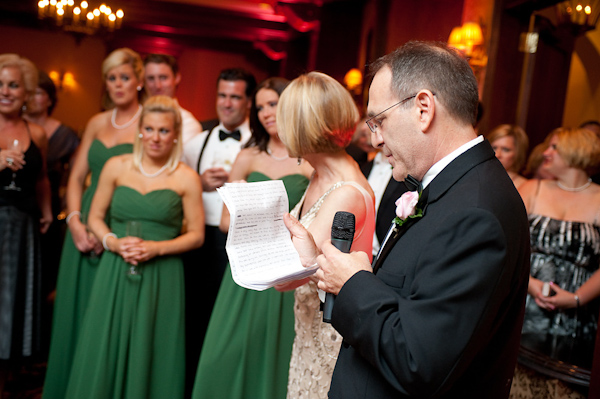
[[440, 313], [212, 154]]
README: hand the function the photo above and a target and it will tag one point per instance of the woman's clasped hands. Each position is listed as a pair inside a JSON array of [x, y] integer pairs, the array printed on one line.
[[555, 298], [135, 250]]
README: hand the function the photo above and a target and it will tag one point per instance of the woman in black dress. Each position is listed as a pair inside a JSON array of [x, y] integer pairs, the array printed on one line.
[[24, 213]]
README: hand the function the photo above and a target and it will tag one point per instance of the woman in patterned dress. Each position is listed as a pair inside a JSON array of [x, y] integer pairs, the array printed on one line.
[[564, 285]]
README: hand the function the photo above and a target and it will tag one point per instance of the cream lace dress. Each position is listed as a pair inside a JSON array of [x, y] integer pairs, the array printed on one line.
[[316, 344]]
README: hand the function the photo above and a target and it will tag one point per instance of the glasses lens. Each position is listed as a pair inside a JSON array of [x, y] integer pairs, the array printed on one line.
[[372, 125]]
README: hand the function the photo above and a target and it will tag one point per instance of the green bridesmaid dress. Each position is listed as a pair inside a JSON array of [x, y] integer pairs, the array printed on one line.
[[248, 344], [75, 277], [132, 341]]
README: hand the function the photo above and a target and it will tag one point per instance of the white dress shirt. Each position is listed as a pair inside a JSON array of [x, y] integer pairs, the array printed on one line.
[[217, 153], [379, 177], [190, 127]]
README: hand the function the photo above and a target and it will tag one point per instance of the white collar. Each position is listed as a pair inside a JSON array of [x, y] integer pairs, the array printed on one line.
[[243, 127], [442, 163]]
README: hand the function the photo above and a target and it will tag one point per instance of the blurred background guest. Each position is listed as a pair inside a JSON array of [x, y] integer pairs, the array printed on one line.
[[564, 218], [161, 77], [360, 147], [25, 211], [62, 143], [534, 169], [107, 134], [133, 336], [229, 367], [594, 126], [316, 119], [510, 143]]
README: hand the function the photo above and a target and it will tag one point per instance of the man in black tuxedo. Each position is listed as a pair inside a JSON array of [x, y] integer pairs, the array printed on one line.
[[440, 313]]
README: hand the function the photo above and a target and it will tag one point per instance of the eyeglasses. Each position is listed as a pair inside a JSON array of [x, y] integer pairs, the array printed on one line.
[[374, 123]]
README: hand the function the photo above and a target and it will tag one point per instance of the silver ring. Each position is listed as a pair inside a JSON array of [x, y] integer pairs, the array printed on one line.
[[9, 161]]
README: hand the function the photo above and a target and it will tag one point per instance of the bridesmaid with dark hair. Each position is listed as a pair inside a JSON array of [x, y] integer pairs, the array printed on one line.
[[246, 352]]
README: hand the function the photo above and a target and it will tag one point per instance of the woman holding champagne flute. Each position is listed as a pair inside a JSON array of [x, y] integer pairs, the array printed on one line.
[[24, 212], [132, 342]]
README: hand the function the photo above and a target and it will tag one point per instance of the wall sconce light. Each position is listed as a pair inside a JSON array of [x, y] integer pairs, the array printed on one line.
[[468, 39], [579, 15], [63, 79], [353, 80]]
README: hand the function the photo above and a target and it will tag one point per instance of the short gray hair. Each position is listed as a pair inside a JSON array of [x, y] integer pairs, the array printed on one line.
[[438, 68]]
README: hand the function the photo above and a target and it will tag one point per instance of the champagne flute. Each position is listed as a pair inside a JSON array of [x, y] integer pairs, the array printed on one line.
[[83, 218], [13, 186], [133, 229]]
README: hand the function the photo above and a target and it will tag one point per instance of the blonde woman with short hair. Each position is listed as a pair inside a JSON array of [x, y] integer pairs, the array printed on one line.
[[316, 120]]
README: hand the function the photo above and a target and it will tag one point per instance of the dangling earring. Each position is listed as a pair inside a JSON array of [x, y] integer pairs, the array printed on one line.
[[24, 108], [299, 161], [139, 88], [141, 135]]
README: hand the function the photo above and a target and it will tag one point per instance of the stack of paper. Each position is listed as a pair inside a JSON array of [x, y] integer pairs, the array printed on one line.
[[259, 246]]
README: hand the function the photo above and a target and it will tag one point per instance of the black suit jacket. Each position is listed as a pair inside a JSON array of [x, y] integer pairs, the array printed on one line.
[[442, 317]]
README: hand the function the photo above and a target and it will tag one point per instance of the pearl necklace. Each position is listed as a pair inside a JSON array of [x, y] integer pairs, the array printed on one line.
[[158, 172], [276, 158], [113, 119], [574, 189]]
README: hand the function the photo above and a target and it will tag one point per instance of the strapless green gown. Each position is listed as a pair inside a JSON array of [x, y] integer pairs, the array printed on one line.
[[75, 277], [132, 342], [246, 352]]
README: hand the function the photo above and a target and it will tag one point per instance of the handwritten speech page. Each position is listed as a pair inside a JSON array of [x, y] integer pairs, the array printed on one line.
[[259, 246]]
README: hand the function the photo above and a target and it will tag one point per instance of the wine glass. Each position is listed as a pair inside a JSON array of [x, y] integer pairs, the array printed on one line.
[[133, 229], [13, 186]]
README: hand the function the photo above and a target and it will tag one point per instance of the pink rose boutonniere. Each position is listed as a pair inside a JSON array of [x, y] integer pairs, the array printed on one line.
[[406, 207]]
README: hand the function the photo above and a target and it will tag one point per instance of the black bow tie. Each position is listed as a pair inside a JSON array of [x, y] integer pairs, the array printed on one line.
[[236, 135], [413, 184]]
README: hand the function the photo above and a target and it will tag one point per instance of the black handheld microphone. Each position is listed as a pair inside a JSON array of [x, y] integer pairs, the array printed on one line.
[[342, 234]]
